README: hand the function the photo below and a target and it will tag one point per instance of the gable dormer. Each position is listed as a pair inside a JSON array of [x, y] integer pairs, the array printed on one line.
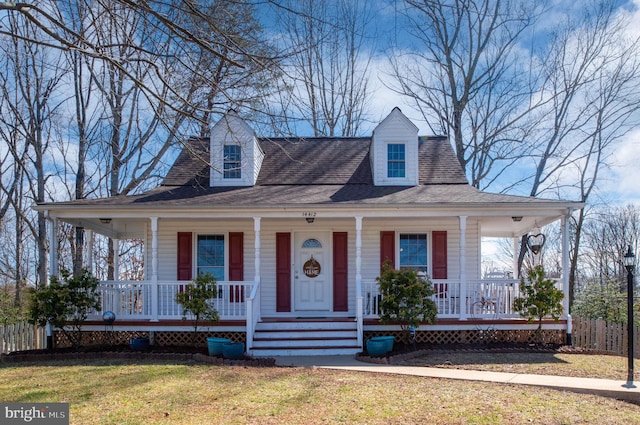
[[236, 156], [394, 151]]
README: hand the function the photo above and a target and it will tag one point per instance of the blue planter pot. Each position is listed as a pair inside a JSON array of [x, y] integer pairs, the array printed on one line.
[[388, 339], [139, 343], [214, 345], [376, 348], [233, 350]]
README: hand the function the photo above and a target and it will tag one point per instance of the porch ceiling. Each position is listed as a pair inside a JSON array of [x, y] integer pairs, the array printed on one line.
[[491, 225], [116, 228], [507, 227]]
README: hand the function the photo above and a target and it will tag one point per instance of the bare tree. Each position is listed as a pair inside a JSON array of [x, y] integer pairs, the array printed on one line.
[[166, 18], [592, 75], [28, 92], [326, 77], [601, 278], [468, 79]]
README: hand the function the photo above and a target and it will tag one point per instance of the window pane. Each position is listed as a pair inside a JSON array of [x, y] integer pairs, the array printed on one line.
[[413, 251], [210, 255], [311, 243], [395, 160], [231, 162]]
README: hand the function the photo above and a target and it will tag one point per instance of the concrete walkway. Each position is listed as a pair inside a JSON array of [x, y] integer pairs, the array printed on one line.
[[602, 387]]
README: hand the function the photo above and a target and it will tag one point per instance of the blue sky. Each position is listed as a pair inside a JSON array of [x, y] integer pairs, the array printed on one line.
[[617, 183]]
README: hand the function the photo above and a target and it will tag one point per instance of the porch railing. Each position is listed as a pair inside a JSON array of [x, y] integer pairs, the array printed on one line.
[[485, 299], [134, 299]]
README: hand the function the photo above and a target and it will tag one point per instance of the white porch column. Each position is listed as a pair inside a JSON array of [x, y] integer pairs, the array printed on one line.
[[359, 297], [564, 227], [116, 259], [89, 250], [53, 248], [257, 242], [253, 306], [463, 268], [154, 269], [53, 267]]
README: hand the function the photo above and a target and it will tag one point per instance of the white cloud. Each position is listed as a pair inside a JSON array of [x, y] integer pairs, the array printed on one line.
[[622, 182]]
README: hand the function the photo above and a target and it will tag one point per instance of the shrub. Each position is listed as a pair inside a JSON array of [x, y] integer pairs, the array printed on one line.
[[196, 298], [65, 303], [406, 298], [540, 299]]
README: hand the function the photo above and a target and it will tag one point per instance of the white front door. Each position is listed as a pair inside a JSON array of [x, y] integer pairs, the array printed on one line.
[[312, 272]]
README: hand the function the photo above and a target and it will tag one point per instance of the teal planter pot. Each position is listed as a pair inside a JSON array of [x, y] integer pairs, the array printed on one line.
[[214, 345], [139, 343], [233, 350], [388, 339], [376, 348]]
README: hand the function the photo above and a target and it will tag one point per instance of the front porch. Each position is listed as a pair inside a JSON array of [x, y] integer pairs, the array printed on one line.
[[465, 314]]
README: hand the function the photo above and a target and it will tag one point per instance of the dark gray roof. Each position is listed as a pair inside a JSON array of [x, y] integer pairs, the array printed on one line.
[[318, 161], [290, 195], [312, 171]]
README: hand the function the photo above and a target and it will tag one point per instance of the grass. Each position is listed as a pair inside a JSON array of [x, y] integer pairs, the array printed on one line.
[[115, 392]]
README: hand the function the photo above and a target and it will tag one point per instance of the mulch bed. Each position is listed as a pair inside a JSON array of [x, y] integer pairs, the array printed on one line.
[[155, 353], [403, 352], [400, 353]]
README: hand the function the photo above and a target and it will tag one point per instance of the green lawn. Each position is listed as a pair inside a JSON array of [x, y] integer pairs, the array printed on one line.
[[100, 392]]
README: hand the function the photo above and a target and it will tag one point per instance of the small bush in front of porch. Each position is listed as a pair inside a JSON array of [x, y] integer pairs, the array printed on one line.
[[540, 298], [406, 299], [66, 301], [196, 298]]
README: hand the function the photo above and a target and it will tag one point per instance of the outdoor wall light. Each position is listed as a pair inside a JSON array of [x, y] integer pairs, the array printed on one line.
[[517, 218], [105, 220]]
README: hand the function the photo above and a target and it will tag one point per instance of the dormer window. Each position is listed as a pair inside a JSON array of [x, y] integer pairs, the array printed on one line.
[[396, 160], [231, 162]]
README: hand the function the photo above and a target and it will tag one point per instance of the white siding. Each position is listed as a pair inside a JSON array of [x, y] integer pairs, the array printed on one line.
[[232, 130], [395, 129], [168, 230], [168, 241]]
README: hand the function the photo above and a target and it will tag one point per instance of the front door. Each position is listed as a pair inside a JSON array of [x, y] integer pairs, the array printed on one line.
[[312, 272]]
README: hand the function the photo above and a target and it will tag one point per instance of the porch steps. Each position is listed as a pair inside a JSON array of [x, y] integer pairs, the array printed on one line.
[[305, 337]]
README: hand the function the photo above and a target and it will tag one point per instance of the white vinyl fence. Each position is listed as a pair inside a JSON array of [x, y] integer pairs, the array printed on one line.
[[21, 336]]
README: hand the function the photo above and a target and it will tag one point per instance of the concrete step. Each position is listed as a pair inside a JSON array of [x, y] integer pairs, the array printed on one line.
[[305, 351], [307, 342], [302, 334], [305, 325], [308, 337]]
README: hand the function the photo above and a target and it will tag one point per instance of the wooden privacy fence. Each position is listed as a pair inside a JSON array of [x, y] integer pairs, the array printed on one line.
[[598, 335], [22, 336]]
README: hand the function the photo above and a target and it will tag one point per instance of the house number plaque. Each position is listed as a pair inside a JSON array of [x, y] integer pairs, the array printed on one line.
[[311, 268]]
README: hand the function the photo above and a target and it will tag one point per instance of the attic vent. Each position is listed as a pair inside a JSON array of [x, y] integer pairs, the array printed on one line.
[[311, 243]]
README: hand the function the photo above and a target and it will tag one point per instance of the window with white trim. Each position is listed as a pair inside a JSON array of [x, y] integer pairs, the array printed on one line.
[[210, 256], [231, 162], [396, 160], [413, 251]]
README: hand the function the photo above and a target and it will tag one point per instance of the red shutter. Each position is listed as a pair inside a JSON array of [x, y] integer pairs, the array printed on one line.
[[388, 248], [283, 272], [185, 257], [340, 271], [439, 255], [236, 265]]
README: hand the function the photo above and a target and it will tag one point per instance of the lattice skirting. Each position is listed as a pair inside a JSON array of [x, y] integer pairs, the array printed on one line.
[[549, 336], [162, 338]]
